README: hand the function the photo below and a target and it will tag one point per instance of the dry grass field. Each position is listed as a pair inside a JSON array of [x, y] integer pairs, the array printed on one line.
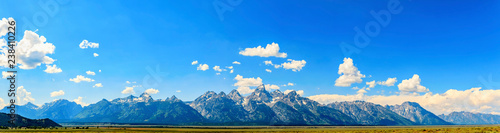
[[312, 129]]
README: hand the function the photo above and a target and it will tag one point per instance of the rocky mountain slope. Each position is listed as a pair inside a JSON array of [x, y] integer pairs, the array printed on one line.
[[264, 108], [142, 109], [259, 108], [469, 118], [367, 113], [414, 112], [58, 110]]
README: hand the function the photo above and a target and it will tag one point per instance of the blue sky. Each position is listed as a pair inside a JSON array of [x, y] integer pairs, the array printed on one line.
[[448, 44]]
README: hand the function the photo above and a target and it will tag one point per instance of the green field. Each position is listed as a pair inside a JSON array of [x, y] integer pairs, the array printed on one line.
[[278, 129]]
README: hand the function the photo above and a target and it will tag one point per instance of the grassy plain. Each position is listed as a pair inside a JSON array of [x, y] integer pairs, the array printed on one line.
[[279, 129]]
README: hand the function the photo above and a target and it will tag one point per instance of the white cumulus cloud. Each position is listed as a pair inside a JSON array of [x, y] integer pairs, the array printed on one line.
[[270, 87], [4, 25], [218, 69], [2, 103], [236, 62], [267, 70], [152, 91], [371, 84], [412, 85], [294, 65], [79, 100], [202, 67], [361, 91], [244, 84], [97, 85], [194, 62], [6, 74], [86, 44], [90, 72], [57, 93], [349, 74], [388, 82], [129, 90], [23, 96], [31, 51], [52, 69], [268, 62], [80, 78], [270, 50], [95, 54]]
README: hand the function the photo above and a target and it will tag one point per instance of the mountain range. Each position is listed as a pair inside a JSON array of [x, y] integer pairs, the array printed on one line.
[[259, 108], [416, 113], [469, 118]]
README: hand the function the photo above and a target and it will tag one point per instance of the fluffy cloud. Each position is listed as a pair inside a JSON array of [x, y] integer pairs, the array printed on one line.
[[349, 74], [267, 70], [31, 51], [152, 91], [79, 100], [236, 62], [194, 62], [412, 85], [388, 82], [300, 92], [202, 67], [472, 100], [97, 85], [80, 78], [244, 90], [86, 44], [244, 84], [178, 91], [23, 96], [6, 74], [294, 65], [2, 103], [4, 25], [371, 84], [291, 84], [230, 68], [270, 87], [218, 69], [361, 91], [268, 62], [52, 69], [95, 54], [90, 72], [247, 81], [129, 90], [57, 93], [270, 50]]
